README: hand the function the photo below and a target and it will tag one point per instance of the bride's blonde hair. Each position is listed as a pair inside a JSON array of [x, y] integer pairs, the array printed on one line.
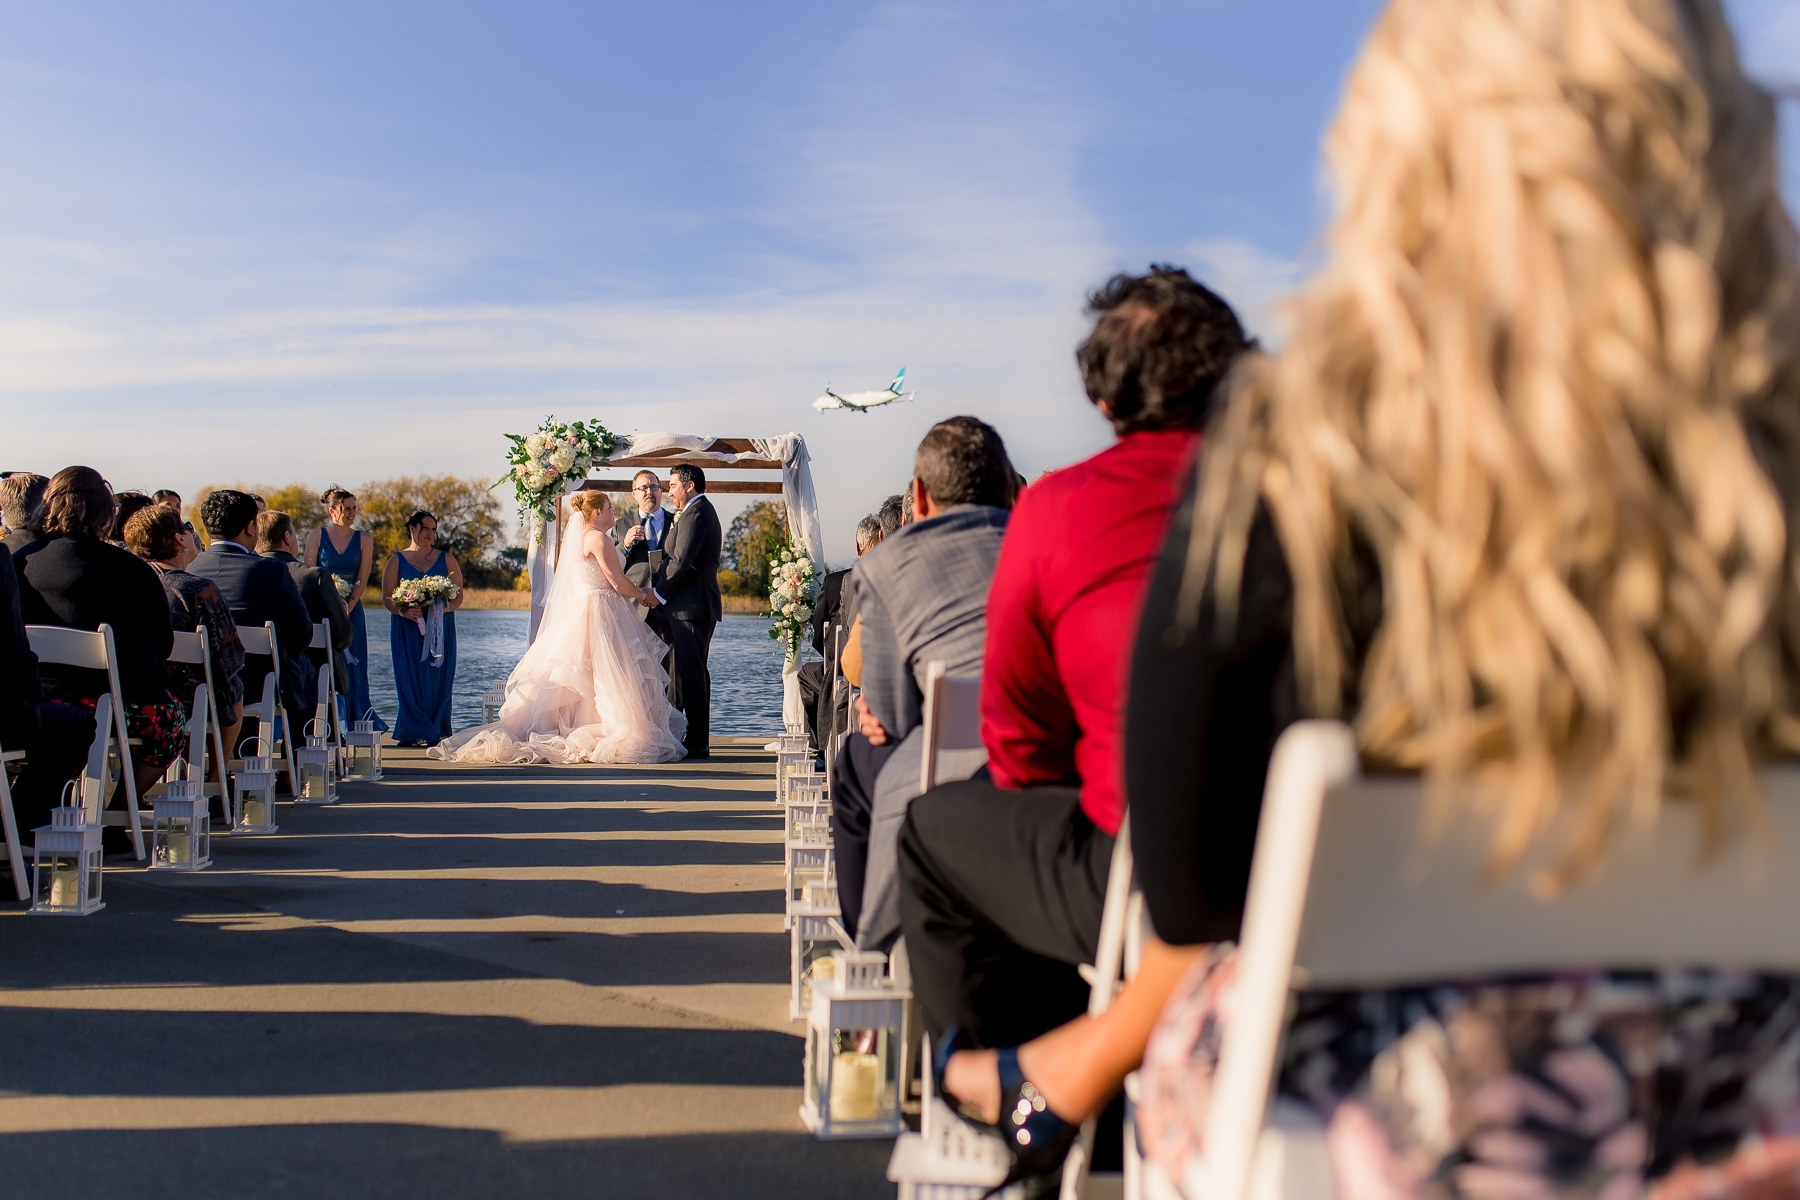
[[1547, 374]]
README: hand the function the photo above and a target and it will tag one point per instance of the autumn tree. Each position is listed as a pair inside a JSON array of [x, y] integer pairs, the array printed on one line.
[[754, 538]]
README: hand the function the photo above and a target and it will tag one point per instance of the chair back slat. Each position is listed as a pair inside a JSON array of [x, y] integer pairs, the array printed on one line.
[[68, 647], [257, 639], [952, 718], [321, 637], [189, 648], [1386, 906]]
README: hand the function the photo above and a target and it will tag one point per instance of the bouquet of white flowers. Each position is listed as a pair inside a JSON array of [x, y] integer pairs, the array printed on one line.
[[424, 592], [791, 594], [344, 587], [544, 463]]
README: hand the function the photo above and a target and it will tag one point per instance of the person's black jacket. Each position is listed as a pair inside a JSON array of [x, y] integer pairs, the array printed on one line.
[[18, 539], [688, 580], [637, 559], [1203, 711], [81, 582], [829, 609], [260, 589], [20, 690], [322, 604]]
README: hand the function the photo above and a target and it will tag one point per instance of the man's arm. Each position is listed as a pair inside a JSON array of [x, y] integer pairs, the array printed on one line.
[[887, 683], [680, 566], [292, 622]]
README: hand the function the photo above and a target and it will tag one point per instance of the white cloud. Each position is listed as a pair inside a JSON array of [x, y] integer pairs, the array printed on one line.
[[1252, 279]]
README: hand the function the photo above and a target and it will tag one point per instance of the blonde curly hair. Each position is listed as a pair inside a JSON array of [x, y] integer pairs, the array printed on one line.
[[1550, 374]]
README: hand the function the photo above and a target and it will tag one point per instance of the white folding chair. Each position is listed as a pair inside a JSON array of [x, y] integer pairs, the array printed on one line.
[[334, 727], [204, 723], [94, 651], [267, 711], [1347, 892], [14, 852], [952, 720]]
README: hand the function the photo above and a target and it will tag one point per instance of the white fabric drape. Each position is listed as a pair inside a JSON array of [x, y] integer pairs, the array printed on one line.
[[540, 564]]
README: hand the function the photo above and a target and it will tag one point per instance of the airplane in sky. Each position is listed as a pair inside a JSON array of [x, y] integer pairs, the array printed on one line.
[[864, 401]]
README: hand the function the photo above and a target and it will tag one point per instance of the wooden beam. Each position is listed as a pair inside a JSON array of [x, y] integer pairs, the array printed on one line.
[[738, 487], [674, 456]]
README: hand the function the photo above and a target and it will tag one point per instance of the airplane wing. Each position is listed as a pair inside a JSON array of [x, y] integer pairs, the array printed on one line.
[[828, 402]]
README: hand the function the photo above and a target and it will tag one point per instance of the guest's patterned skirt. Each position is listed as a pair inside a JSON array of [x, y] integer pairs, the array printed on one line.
[[162, 727], [1610, 1086]]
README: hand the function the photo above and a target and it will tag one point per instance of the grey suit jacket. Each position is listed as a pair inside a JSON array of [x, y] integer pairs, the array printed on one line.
[[637, 559], [922, 596]]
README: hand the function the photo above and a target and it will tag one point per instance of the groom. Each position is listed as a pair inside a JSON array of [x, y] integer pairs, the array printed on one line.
[[687, 583]]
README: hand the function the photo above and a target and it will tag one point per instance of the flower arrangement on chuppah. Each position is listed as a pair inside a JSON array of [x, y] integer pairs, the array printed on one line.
[[792, 591], [544, 463]]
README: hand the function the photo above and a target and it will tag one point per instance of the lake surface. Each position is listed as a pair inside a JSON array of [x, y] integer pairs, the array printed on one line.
[[745, 661]]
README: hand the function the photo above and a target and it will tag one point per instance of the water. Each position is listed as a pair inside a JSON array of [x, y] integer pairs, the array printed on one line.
[[746, 668]]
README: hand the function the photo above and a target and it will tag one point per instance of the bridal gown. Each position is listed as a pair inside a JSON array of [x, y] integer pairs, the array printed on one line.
[[590, 689]]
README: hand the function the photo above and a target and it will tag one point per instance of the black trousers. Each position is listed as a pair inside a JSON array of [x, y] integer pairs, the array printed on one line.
[[815, 697], [852, 799], [690, 683], [1000, 900], [52, 758]]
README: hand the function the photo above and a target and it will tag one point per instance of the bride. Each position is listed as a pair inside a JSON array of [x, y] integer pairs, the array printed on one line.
[[592, 686]]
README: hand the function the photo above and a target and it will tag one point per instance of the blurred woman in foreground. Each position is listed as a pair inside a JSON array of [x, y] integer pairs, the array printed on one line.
[[1521, 501]]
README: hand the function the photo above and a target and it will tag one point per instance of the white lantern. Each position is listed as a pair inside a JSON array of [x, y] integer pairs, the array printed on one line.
[[853, 1031], [789, 763], [816, 936], [183, 832], [317, 763], [491, 702], [254, 784], [362, 751], [65, 864]]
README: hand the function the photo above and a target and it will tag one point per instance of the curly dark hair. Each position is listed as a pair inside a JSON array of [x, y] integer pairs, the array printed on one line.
[[78, 500], [226, 513], [963, 461], [695, 477], [1159, 349]]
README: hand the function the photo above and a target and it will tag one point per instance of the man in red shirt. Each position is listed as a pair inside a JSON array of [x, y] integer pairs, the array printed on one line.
[[1003, 878]]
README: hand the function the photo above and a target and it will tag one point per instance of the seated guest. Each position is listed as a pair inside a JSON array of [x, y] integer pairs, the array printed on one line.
[[154, 535], [55, 737], [1445, 514], [921, 596], [258, 589], [126, 505], [891, 514], [71, 577], [978, 857], [169, 499], [276, 539], [22, 508], [829, 611]]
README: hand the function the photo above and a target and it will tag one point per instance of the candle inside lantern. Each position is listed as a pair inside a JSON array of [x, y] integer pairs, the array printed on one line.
[[65, 885], [254, 811], [176, 846], [855, 1087]]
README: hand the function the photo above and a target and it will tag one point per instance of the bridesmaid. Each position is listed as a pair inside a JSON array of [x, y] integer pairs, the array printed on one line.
[[424, 688], [348, 553]]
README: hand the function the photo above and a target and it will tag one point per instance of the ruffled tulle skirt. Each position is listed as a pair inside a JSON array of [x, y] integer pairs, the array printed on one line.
[[591, 689]]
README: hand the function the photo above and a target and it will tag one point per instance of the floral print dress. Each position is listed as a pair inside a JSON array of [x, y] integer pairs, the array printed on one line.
[[1670, 1086]]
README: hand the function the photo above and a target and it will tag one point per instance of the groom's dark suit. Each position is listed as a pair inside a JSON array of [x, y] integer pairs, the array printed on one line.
[[688, 582]]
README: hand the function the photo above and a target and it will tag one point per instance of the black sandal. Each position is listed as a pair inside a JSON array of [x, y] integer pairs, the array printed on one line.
[[1037, 1138]]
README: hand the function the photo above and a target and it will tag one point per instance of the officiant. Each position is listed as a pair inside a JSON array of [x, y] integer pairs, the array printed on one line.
[[641, 539]]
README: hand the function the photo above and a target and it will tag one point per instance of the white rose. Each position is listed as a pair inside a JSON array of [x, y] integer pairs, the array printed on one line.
[[805, 564], [787, 610], [564, 458], [534, 444]]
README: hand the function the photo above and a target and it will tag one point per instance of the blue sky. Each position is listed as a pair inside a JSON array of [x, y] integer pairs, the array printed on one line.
[[331, 242]]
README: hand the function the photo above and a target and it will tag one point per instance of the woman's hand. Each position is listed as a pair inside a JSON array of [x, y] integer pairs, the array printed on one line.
[[413, 614], [869, 725]]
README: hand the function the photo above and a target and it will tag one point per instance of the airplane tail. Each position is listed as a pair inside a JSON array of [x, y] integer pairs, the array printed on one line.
[[899, 382]]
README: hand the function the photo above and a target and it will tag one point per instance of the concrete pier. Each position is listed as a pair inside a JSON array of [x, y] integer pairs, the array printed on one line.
[[483, 982]]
